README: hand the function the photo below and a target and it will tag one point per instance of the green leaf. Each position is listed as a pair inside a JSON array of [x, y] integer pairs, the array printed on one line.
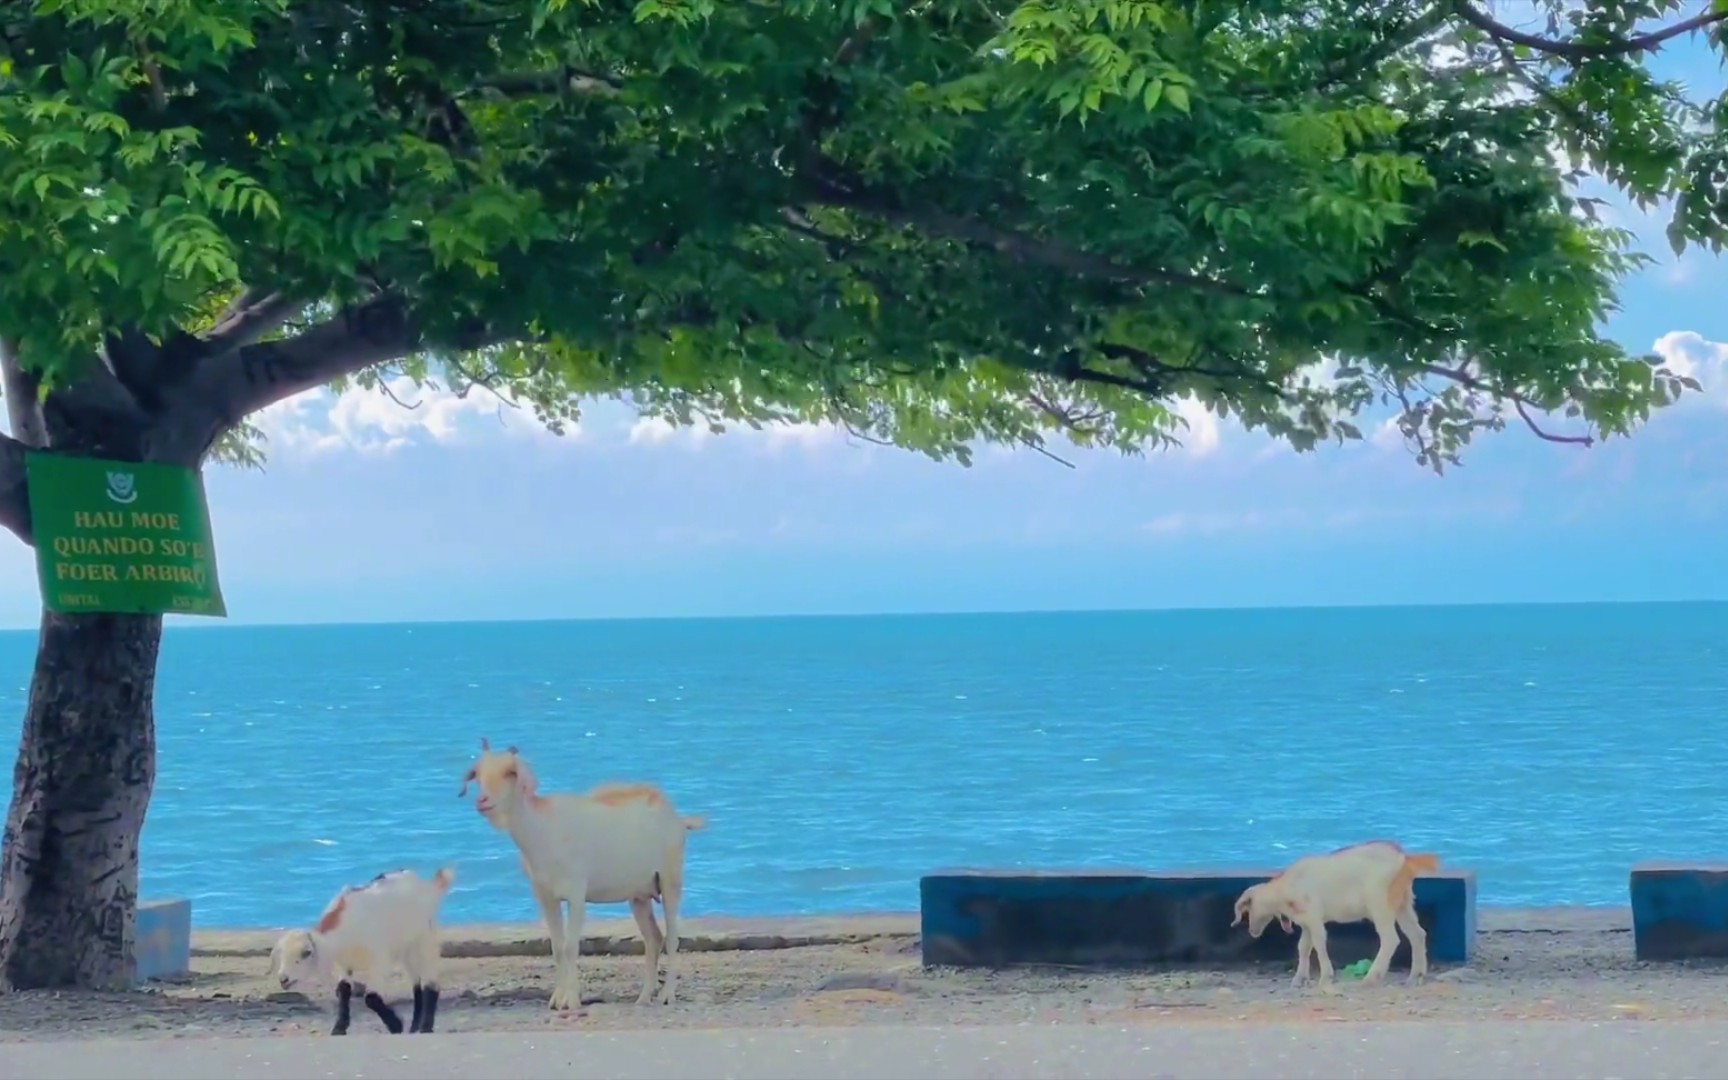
[[895, 233]]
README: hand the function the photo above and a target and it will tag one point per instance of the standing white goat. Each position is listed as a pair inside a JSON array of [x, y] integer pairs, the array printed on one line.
[[618, 842], [1374, 881], [391, 920]]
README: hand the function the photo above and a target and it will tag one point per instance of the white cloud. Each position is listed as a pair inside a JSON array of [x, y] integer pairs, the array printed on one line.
[[1685, 352], [1204, 523], [374, 422], [1204, 431], [1689, 353], [1388, 435], [1223, 522], [653, 431], [802, 436], [371, 422]]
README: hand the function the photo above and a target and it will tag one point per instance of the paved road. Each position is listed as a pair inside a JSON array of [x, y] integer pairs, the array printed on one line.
[[1628, 1050]]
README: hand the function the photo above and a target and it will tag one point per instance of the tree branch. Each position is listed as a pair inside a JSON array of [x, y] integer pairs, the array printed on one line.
[[362, 336], [1547, 436], [1156, 369], [823, 108], [1520, 403], [1078, 373], [137, 363], [1393, 43], [254, 314], [563, 80], [1572, 50], [23, 401], [14, 489], [1015, 245], [29, 429], [1509, 60]]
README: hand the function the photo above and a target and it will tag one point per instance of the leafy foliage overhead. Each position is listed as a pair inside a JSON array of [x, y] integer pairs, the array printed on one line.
[[935, 221]]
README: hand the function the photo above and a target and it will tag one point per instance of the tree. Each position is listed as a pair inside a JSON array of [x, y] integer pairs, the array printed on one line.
[[934, 223]]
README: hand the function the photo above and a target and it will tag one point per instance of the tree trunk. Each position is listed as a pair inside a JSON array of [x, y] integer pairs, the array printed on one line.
[[86, 764]]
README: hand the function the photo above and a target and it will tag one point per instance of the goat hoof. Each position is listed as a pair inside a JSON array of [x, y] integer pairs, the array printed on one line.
[[564, 1000]]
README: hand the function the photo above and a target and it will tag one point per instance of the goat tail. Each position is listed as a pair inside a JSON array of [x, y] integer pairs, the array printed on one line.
[[1402, 892], [444, 878], [693, 824], [1425, 863]]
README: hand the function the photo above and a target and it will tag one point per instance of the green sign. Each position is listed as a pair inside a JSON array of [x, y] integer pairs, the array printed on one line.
[[121, 537]]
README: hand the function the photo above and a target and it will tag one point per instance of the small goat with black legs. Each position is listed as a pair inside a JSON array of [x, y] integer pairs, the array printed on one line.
[[390, 921]]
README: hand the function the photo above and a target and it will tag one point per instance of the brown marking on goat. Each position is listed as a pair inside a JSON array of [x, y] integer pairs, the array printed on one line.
[[624, 794], [495, 769], [332, 916], [507, 767]]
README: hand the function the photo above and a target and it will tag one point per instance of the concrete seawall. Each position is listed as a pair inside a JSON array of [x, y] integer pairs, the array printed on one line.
[[618, 937]]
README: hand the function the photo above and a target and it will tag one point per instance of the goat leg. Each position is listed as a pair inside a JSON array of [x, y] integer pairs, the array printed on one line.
[[344, 996], [1321, 953], [1386, 928], [430, 995], [376, 1002], [1304, 945], [1412, 927]]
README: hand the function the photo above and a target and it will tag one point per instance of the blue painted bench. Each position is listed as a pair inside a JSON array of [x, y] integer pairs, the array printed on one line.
[[1107, 918], [1679, 910], [162, 942]]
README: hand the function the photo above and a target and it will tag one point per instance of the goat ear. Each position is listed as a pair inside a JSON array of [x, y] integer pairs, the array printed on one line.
[[525, 779], [466, 780]]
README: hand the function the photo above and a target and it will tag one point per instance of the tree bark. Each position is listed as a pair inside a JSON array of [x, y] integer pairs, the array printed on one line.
[[86, 765], [87, 755]]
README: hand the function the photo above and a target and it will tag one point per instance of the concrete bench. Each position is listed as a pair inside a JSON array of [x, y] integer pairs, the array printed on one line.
[[997, 918], [163, 941], [1679, 910]]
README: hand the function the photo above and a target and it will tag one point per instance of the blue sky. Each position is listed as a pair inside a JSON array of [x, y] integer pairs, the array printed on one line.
[[462, 509]]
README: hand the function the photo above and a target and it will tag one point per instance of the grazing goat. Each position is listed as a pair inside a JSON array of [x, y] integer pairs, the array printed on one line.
[[391, 920], [618, 842], [1372, 881]]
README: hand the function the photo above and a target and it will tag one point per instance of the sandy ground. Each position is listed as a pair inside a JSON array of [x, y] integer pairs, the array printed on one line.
[[1529, 966]]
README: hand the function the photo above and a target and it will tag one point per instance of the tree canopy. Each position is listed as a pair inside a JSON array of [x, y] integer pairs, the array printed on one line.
[[933, 222]]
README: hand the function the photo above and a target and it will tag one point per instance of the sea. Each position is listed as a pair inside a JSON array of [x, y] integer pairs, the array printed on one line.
[[1548, 748]]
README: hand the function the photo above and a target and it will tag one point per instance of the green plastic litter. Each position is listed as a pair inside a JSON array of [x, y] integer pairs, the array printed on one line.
[[1357, 970]]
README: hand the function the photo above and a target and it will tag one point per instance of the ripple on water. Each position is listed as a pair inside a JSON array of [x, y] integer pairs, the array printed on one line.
[[837, 760]]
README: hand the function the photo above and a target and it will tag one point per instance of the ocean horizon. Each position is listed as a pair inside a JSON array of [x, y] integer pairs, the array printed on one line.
[[837, 758], [231, 622]]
